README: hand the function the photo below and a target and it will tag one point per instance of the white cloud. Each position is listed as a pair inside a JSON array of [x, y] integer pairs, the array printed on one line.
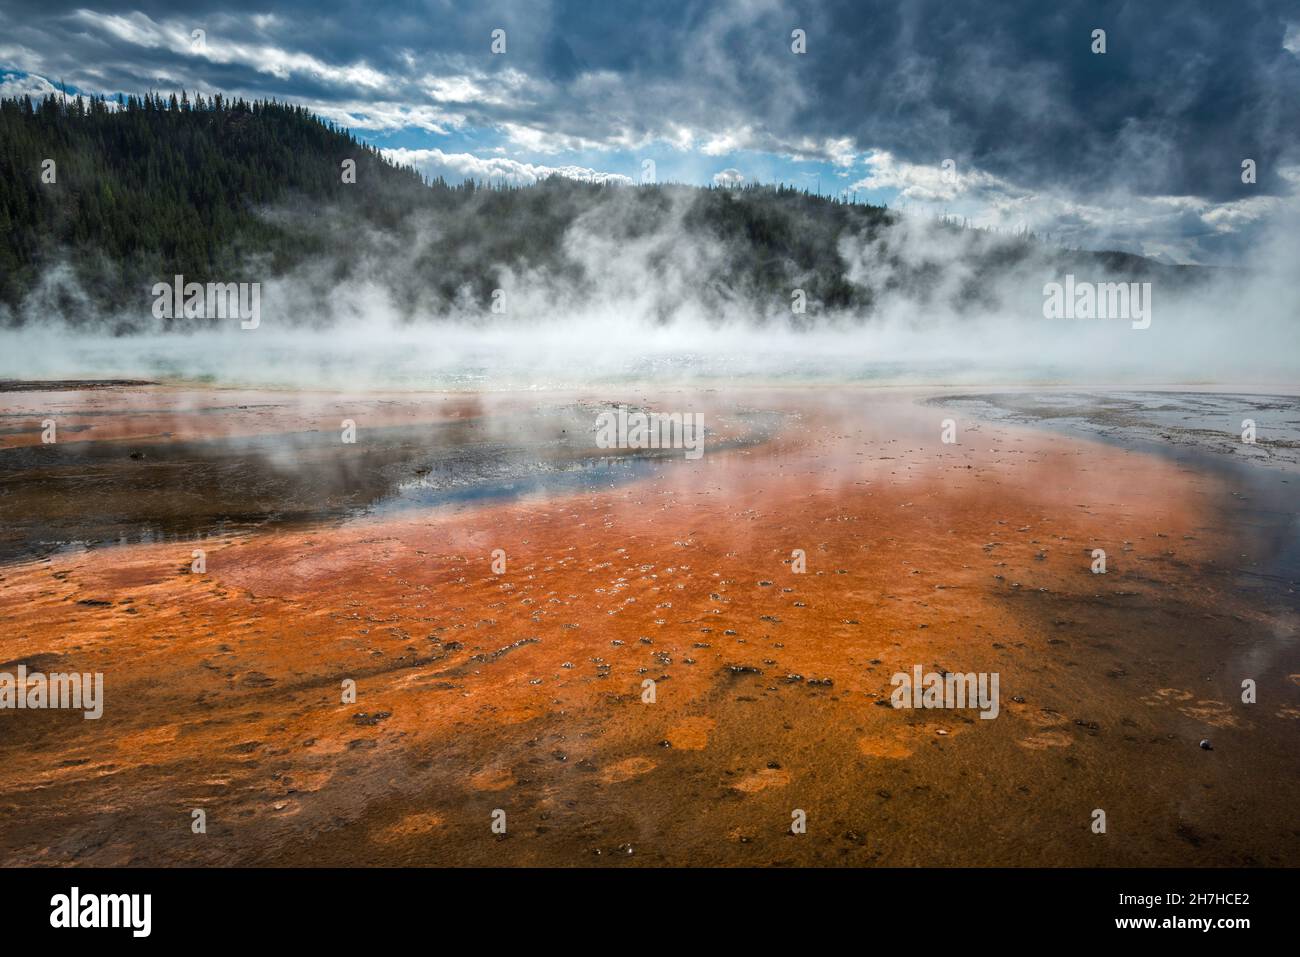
[[383, 115], [1170, 226], [30, 85], [841, 152], [506, 88], [459, 166], [20, 58], [929, 182], [720, 144], [140, 30], [536, 140]]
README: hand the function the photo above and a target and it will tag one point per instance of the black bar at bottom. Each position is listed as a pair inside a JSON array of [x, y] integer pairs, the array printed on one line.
[[334, 906]]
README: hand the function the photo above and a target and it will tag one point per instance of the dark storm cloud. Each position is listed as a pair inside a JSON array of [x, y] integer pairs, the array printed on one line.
[[1182, 95], [1010, 90]]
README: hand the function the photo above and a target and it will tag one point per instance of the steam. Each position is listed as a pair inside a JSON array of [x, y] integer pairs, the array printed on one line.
[[654, 301]]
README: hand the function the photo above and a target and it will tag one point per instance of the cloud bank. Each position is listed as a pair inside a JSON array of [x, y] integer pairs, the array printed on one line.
[[1140, 146]]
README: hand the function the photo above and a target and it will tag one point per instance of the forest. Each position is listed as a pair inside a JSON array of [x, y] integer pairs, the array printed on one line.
[[120, 194]]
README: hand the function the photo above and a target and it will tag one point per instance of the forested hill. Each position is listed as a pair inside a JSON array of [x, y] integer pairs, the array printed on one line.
[[219, 190], [149, 187]]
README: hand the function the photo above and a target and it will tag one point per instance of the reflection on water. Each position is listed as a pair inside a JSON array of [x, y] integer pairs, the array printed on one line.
[[1203, 432], [75, 494], [544, 478]]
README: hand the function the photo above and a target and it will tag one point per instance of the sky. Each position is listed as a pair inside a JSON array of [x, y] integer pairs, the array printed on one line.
[[1002, 114]]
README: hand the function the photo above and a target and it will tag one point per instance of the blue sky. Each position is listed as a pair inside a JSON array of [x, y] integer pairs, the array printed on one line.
[[1003, 114]]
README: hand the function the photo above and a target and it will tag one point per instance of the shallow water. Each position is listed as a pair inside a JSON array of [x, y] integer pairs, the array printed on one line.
[[1201, 431], [76, 494], [521, 689]]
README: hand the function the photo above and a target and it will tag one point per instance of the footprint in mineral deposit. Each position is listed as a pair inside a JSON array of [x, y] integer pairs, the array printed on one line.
[[627, 769], [1166, 695], [412, 825], [1214, 713], [762, 780]]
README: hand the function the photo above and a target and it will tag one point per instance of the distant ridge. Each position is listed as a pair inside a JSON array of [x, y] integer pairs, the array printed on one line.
[[220, 190]]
